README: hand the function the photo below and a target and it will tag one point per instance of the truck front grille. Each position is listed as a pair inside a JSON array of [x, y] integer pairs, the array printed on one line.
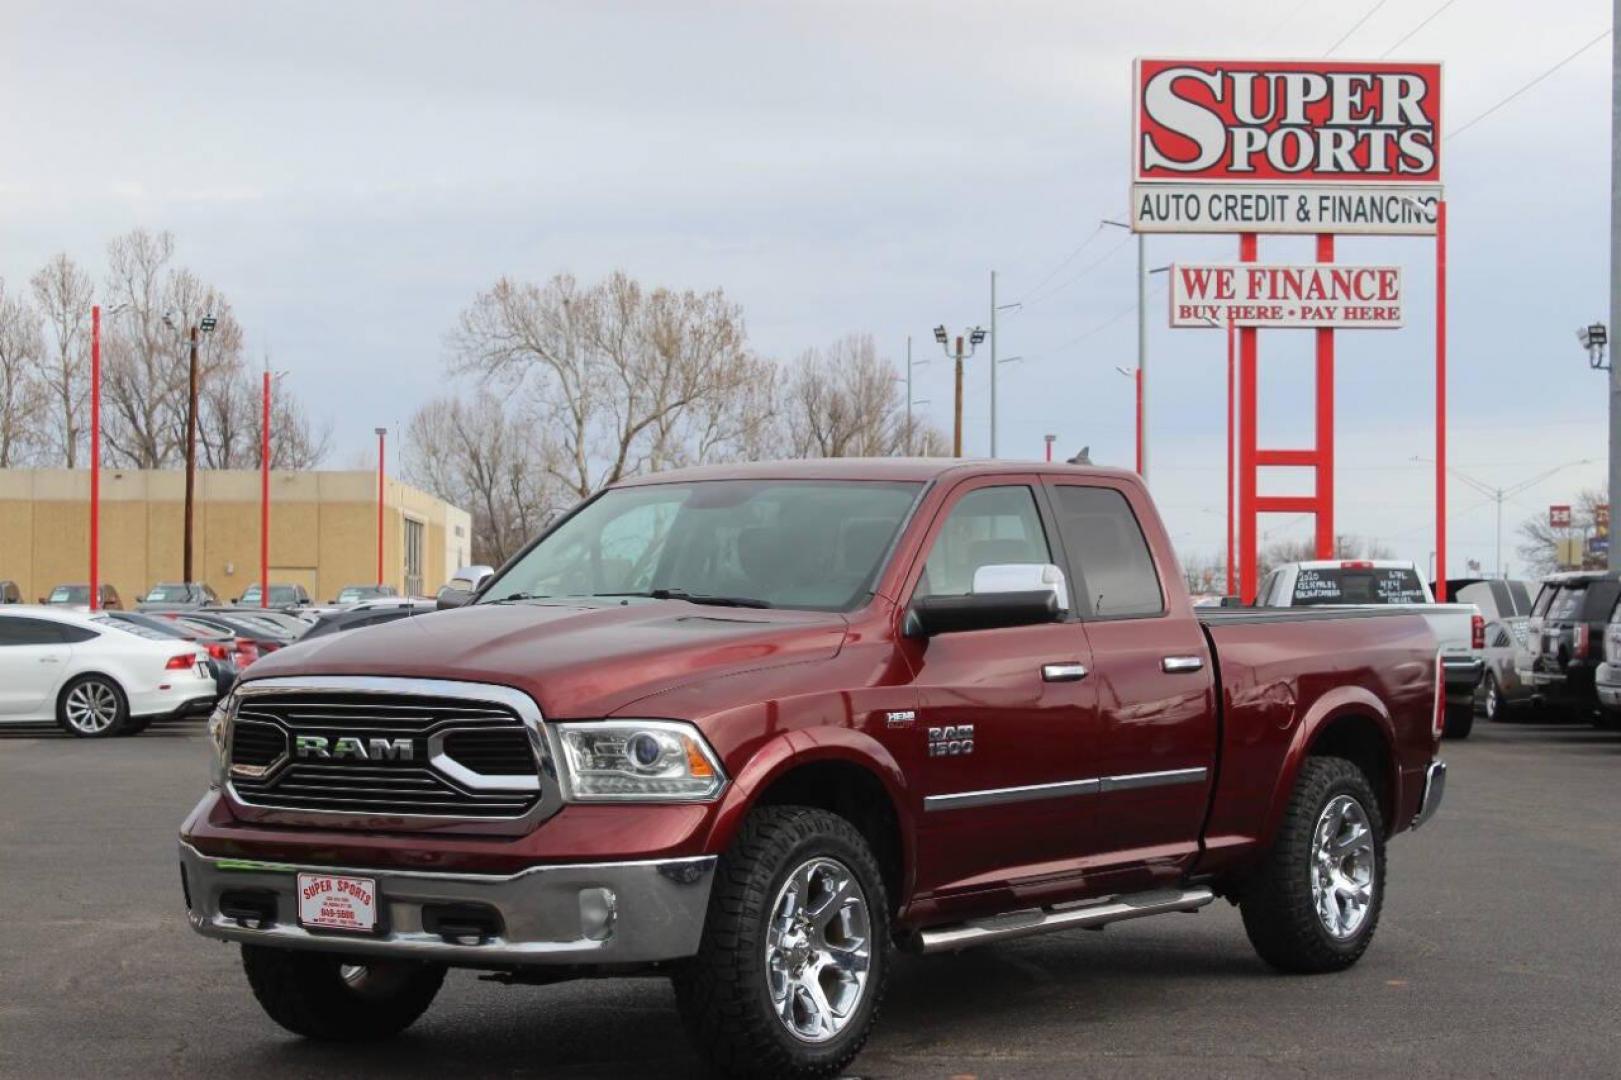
[[389, 754]]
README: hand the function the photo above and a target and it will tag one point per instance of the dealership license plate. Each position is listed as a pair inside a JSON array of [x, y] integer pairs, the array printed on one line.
[[333, 902]]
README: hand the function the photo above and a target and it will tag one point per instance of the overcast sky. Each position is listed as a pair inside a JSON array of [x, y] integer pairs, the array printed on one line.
[[351, 174]]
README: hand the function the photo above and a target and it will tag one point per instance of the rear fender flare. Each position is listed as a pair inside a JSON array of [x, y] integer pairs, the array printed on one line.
[[1336, 703], [792, 749]]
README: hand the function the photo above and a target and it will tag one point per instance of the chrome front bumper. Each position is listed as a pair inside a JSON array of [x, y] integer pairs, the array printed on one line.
[[1435, 786], [587, 913]]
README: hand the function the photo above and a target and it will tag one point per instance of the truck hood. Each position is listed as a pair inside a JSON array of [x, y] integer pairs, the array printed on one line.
[[577, 660]]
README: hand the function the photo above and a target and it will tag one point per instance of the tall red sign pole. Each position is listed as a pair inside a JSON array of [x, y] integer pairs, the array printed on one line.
[[1248, 553], [1325, 421], [1441, 400], [95, 456], [1232, 582], [264, 499], [381, 435]]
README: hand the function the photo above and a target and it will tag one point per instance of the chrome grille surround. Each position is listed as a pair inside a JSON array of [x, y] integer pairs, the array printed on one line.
[[431, 791]]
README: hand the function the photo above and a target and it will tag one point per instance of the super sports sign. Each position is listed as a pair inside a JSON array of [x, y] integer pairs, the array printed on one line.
[[1286, 147]]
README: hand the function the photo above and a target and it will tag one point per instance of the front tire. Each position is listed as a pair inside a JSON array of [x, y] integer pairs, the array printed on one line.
[[795, 950], [92, 707], [324, 997], [1314, 902]]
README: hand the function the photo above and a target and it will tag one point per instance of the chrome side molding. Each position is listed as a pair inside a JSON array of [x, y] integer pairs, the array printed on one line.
[[1094, 785], [1093, 915]]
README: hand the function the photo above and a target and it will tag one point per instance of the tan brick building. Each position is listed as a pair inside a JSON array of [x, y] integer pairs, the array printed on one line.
[[323, 531]]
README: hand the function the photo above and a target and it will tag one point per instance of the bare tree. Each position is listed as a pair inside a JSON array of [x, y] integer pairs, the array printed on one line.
[[1546, 549], [231, 423], [474, 454], [22, 393], [622, 379], [1346, 546], [63, 293], [843, 401], [1203, 573]]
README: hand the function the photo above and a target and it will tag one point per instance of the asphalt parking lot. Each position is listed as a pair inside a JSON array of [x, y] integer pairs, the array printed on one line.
[[1497, 955]]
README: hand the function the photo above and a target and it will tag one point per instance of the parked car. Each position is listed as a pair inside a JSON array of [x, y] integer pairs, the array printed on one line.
[[178, 596], [290, 624], [93, 676], [281, 596], [935, 703], [227, 655], [266, 637], [1566, 639], [1460, 628], [10, 593], [372, 613], [354, 594], [463, 584], [1502, 694], [1496, 598], [78, 596]]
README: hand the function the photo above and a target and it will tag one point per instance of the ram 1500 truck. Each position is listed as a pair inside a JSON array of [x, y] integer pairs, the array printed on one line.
[[758, 726]]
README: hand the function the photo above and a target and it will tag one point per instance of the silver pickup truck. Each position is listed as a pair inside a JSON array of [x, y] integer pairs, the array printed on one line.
[[1460, 629]]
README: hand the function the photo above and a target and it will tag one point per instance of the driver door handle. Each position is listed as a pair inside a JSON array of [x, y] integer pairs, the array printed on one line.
[[1176, 665], [1065, 672]]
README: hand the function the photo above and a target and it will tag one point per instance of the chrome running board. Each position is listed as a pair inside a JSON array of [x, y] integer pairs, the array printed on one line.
[[1091, 915]]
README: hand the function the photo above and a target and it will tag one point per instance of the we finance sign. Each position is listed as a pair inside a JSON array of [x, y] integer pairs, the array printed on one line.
[[1286, 147], [1317, 295]]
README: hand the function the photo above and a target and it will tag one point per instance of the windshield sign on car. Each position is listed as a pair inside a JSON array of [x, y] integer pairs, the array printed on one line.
[[1357, 585]]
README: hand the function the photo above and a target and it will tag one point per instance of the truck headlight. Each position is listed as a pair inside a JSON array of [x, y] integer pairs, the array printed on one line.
[[638, 761], [219, 738]]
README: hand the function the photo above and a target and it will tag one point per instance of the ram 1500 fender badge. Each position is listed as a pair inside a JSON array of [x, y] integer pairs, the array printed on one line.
[[318, 746], [954, 740]]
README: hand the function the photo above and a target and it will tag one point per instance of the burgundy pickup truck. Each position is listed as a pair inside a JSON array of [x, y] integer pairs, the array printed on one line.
[[759, 726]]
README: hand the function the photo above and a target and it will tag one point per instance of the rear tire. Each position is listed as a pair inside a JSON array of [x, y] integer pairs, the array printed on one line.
[[136, 724], [320, 996], [1460, 721], [92, 707], [1314, 902], [1497, 708], [795, 950]]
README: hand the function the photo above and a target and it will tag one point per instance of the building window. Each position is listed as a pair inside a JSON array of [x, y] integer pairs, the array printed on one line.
[[414, 543]]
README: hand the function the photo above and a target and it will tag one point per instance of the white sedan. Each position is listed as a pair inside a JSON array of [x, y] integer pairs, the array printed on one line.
[[94, 676]]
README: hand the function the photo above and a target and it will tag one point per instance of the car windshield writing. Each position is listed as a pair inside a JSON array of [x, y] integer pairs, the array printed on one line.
[[67, 594], [1357, 585], [811, 544], [168, 594]]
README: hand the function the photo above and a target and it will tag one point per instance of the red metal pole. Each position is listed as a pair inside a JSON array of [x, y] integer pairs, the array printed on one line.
[[1325, 422], [264, 500], [1441, 400], [1138, 378], [382, 433], [95, 456], [1248, 541], [1232, 584]]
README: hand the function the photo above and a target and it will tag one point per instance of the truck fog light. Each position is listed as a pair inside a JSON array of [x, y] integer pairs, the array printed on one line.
[[597, 913]]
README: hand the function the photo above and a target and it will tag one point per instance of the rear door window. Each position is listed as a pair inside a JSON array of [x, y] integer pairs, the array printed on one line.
[[1110, 553], [1357, 585], [1544, 600], [1567, 603]]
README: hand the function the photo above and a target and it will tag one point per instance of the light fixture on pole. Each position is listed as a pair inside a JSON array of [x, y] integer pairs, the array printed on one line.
[[976, 337], [1049, 440], [205, 326], [1594, 338]]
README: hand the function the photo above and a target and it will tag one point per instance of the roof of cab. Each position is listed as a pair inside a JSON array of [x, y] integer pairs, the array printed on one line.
[[891, 469]]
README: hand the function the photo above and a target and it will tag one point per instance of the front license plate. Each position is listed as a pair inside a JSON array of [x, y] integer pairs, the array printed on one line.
[[331, 902]]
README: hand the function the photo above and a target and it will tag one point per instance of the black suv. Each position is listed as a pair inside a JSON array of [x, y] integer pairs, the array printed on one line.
[[1566, 637]]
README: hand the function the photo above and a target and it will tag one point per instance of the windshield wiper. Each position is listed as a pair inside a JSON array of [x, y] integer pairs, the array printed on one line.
[[696, 598], [518, 596]]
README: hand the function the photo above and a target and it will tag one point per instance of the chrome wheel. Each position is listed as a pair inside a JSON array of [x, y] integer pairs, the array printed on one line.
[[91, 707], [1493, 701], [818, 949], [1343, 867]]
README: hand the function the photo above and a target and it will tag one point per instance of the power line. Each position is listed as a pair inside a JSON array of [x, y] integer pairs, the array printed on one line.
[[1104, 325], [1426, 21], [1093, 235], [1078, 275], [1355, 27], [1460, 130]]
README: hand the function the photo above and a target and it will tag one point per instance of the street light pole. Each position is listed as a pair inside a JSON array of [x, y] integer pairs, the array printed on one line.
[[975, 337]]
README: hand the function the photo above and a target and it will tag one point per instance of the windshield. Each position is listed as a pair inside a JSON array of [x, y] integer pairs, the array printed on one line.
[[1357, 585], [70, 594], [279, 594], [169, 594], [810, 544]]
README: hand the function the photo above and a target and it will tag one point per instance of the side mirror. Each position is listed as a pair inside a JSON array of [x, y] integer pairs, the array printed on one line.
[[933, 615], [1023, 577], [452, 598]]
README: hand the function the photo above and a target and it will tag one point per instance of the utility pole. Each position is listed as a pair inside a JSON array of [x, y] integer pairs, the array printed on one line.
[[1614, 558], [994, 361], [976, 337], [909, 388], [191, 454]]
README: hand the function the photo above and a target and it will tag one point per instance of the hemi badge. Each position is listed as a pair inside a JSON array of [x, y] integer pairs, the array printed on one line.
[[900, 719]]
